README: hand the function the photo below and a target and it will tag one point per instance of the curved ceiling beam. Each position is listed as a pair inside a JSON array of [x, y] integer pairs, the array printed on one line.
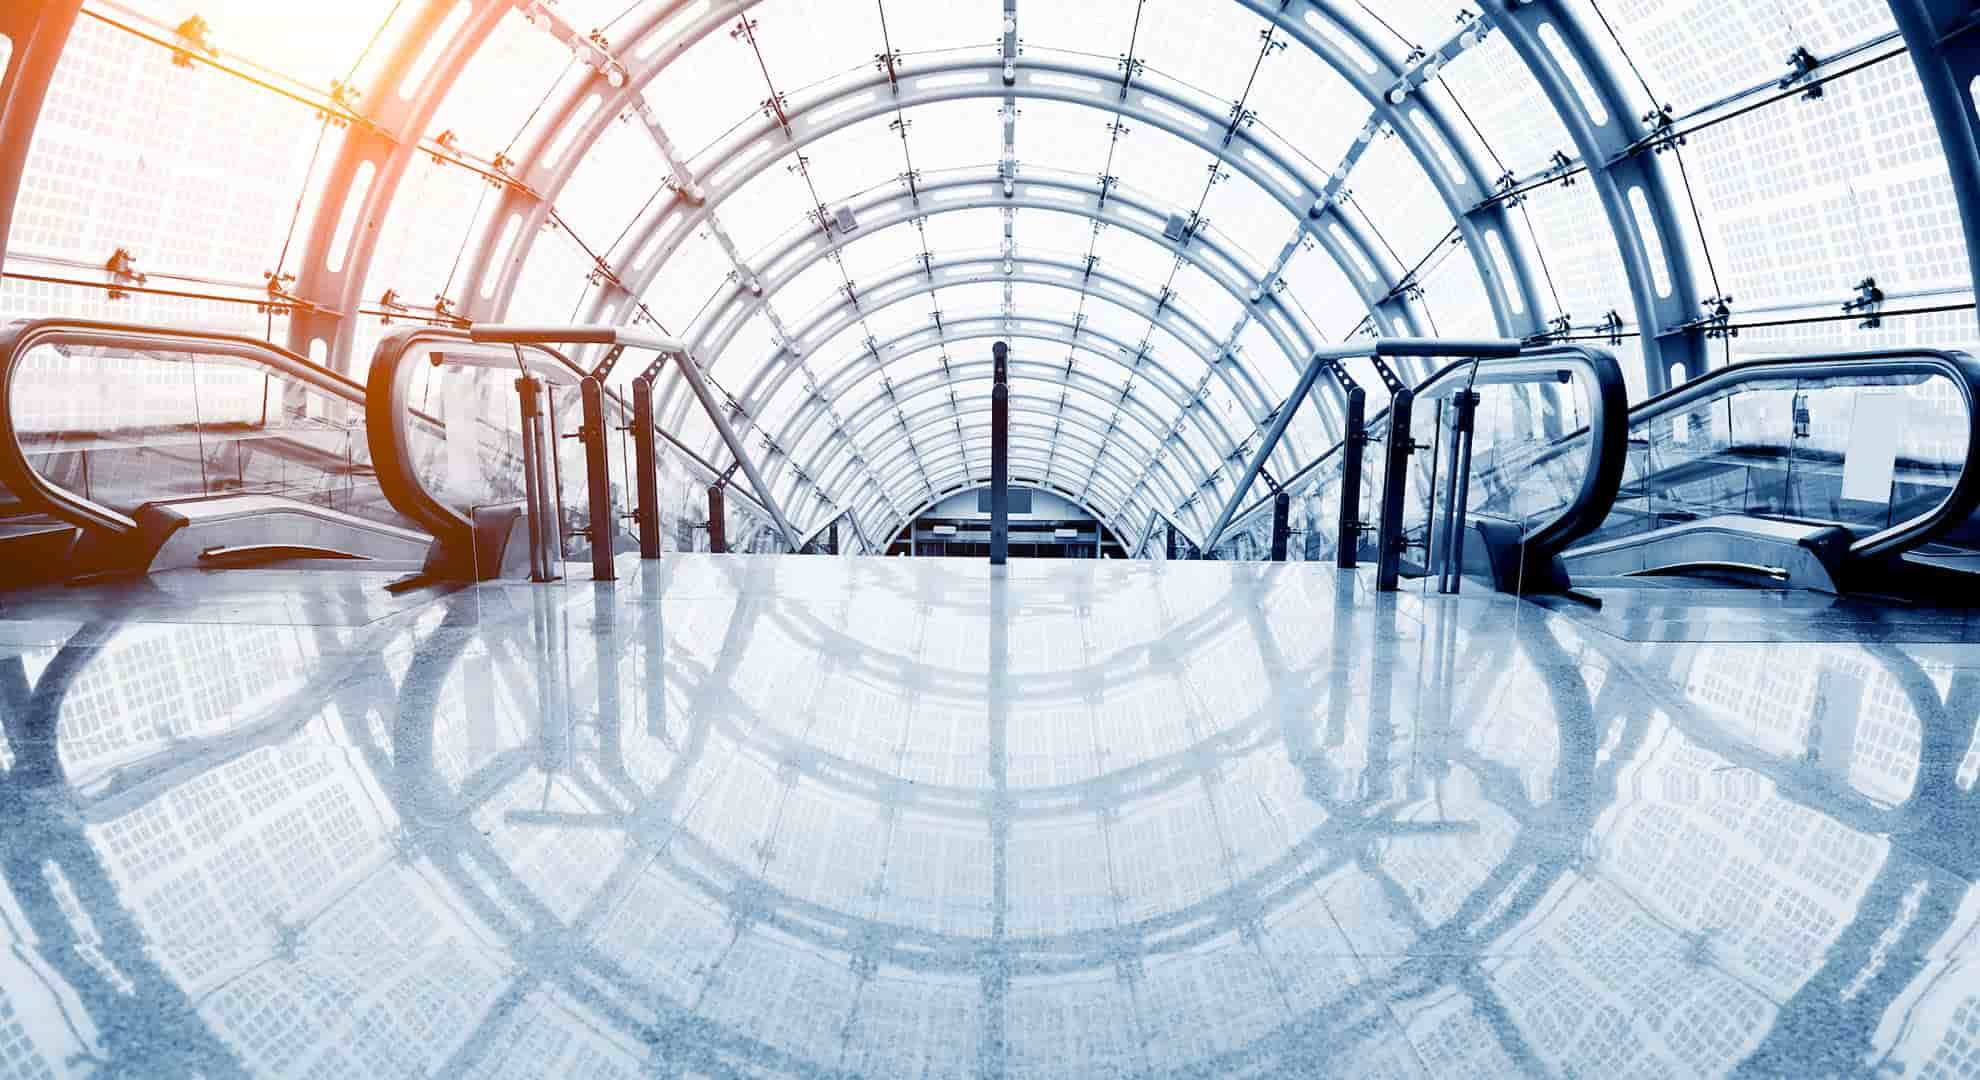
[[1422, 122], [842, 437], [568, 120], [889, 413], [1294, 337], [977, 189], [769, 378], [1616, 148], [388, 143], [994, 327], [1154, 100], [1044, 270], [948, 415]]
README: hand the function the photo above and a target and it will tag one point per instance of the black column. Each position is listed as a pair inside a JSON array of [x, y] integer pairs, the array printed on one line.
[[646, 464], [718, 521], [1000, 459], [603, 529], [1281, 525]]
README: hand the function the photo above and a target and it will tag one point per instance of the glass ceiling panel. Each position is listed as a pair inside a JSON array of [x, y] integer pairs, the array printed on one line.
[[873, 255], [705, 91], [1578, 252], [1321, 288], [316, 44], [1802, 199], [1212, 47], [1206, 300], [1391, 188], [919, 26], [616, 177], [687, 281], [775, 204], [1043, 302], [1132, 256], [806, 41], [1046, 230], [1519, 128], [1100, 28], [1250, 221], [1171, 170], [1693, 52], [947, 135], [552, 281], [1396, 26], [813, 286], [1058, 135], [433, 217], [1454, 295], [855, 158], [502, 84], [155, 174], [963, 230], [1284, 98]]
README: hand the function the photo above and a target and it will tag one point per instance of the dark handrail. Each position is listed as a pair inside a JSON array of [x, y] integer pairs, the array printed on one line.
[[1958, 367], [1601, 482], [17, 338], [386, 409]]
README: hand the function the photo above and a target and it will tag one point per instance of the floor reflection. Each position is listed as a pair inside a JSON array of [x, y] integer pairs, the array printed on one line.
[[893, 818]]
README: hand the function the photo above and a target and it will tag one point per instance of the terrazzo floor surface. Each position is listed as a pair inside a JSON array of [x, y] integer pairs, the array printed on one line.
[[776, 816]]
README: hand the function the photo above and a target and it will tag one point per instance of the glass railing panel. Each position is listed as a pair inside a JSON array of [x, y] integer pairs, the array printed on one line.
[[1863, 452], [1870, 454], [122, 427]]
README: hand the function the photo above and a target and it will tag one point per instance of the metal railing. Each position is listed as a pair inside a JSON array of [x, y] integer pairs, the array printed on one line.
[[159, 426], [531, 353], [1532, 544]]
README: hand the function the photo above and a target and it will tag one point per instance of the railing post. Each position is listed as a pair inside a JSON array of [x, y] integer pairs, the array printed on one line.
[[528, 393], [646, 464], [1463, 421], [1395, 480], [604, 523], [1000, 457], [1353, 443], [718, 522], [1281, 525]]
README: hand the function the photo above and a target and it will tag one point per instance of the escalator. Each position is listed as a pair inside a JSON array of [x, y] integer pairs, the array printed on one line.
[[128, 449], [1843, 473], [1839, 473]]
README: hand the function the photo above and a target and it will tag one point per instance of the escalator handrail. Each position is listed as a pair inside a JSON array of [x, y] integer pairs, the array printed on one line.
[[1957, 366], [19, 337], [386, 411], [1601, 481]]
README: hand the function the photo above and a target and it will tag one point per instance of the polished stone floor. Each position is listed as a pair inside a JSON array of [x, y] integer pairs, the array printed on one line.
[[854, 817]]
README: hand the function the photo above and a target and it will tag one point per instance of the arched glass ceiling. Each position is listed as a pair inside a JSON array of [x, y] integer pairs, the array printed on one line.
[[1164, 203]]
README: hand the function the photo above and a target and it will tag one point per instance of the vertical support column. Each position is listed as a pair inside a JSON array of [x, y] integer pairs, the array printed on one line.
[[529, 397], [1465, 407], [1348, 553], [718, 522], [604, 525], [1943, 37], [1395, 481], [646, 466], [1000, 458], [38, 29], [832, 539], [1281, 525], [1170, 547]]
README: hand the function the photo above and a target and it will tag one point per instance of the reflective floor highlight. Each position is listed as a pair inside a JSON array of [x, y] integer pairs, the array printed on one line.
[[776, 816]]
